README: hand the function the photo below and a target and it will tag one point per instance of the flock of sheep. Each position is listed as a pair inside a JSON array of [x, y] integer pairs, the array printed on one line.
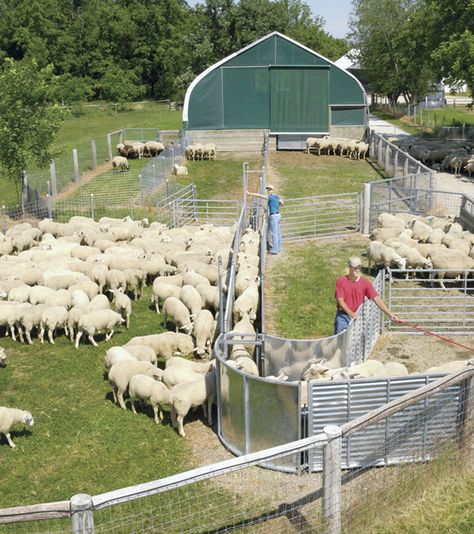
[[337, 145], [198, 151], [82, 276], [405, 241], [135, 150], [441, 155]]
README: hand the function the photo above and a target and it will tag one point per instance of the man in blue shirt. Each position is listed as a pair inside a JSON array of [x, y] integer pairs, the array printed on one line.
[[274, 217]]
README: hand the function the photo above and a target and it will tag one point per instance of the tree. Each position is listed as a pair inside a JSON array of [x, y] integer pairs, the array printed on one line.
[[29, 116], [396, 60]]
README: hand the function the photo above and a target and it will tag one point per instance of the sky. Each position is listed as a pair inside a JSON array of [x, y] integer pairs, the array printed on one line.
[[335, 12]]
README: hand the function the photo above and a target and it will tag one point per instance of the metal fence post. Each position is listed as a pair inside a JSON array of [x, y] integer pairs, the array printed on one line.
[[50, 206], [468, 423], [332, 480], [82, 517], [92, 206], [109, 146], [195, 216], [405, 167], [395, 164], [24, 191], [142, 193], [94, 155], [386, 162], [75, 162], [366, 209], [52, 172]]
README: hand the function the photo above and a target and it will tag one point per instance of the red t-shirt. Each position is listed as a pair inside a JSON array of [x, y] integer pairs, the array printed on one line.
[[354, 293]]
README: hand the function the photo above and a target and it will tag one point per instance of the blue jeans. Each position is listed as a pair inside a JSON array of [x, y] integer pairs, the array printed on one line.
[[275, 233], [341, 322]]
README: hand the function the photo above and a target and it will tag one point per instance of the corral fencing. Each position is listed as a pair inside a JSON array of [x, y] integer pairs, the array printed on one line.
[[408, 194], [396, 162], [428, 423], [429, 306], [455, 133]]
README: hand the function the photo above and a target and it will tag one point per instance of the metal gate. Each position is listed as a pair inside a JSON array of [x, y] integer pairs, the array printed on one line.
[[321, 216]]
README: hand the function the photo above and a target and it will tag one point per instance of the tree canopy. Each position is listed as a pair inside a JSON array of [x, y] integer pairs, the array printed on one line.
[[405, 46], [127, 49]]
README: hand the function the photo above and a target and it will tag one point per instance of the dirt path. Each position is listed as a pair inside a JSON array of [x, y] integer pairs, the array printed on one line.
[[85, 178]]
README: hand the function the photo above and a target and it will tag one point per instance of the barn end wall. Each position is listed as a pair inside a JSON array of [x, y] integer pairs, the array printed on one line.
[[233, 140], [349, 132]]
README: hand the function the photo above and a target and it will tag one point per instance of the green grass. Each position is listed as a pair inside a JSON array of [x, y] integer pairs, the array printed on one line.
[[81, 441], [303, 175]]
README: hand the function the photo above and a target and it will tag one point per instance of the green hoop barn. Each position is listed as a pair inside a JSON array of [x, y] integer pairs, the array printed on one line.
[[279, 86]]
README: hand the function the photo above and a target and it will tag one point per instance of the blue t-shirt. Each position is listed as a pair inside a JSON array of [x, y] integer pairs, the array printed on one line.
[[273, 204]]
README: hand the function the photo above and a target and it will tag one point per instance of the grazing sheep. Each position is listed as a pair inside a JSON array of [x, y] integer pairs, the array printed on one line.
[[123, 305], [166, 344], [121, 373], [175, 311], [9, 417], [204, 329], [145, 388], [183, 397], [177, 374], [198, 367], [96, 322], [120, 163], [161, 291], [117, 354], [153, 148], [191, 298]]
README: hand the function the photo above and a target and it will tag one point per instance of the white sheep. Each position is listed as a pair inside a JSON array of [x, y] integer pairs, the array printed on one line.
[[198, 367], [123, 305], [145, 388], [9, 417], [153, 148], [179, 170], [178, 374], [121, 373], [166, 344], [120, 163], [387, 220], [161, 291], [191, 298], [247, 303], [142, 353], [204, 329], [210, 296], [117, 354], [448, 367], [3, 357], [96, 322], [421, 231], [183, 397], [53, 317], [451, 263], [380, 254], [175, 311]]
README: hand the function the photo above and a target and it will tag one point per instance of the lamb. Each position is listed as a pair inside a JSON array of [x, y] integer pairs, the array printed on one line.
[[456, 243], [177, 374], [183, 397], [9, 417], [123, 305], [52, 318], [39, 294], [142, 353], [121, 373], [210, 296], [382, 234], [179, 170], [247, 303], [210, 152], [421, 231], [189, 151], [145, 388], [246, 364], [451, 263], [166, 344], [380, 254], [178, 313], [414, 259], [116, 280], [96, 322], [204, 329], [386, 220], [120, 163], [27, 319]]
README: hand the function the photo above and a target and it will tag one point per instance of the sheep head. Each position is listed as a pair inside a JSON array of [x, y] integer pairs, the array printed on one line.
[[28, 419]]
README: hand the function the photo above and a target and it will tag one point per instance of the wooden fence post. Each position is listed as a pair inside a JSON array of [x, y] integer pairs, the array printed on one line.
[[332, 480], [94, 155], [82, 517], [52, 172], [366, 210]]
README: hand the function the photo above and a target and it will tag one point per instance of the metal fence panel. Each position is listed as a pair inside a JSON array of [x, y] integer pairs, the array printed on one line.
[[431, 307], [321, 216], [338, 402]]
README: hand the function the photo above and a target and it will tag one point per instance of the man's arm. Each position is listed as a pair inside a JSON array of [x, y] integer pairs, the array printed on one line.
[[257, 195], [345, 307], [381, 305]]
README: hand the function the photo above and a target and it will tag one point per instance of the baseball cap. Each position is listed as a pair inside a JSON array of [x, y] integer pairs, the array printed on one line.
[[354, 261], [269, 186]]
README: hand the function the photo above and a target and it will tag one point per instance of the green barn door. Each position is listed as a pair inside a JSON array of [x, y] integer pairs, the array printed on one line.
[[299, 99]]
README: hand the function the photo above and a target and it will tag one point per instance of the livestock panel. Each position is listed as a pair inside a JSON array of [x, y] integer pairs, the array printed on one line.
[[321, 217], [397, 439]]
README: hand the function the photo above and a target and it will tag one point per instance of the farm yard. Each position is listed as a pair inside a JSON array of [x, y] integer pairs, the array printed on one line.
[[81, 441]]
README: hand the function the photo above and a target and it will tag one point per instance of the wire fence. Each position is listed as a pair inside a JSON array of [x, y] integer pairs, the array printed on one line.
[[392, 470]]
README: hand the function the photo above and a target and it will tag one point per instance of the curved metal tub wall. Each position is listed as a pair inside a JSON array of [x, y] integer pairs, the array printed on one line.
[[291, 355], [255, 414]]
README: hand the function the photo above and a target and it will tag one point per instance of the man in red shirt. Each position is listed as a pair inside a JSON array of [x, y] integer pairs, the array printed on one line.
[[351, 291]]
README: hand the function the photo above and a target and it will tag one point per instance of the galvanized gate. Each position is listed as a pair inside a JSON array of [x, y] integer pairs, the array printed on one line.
[[321, 217], [338, 402]]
